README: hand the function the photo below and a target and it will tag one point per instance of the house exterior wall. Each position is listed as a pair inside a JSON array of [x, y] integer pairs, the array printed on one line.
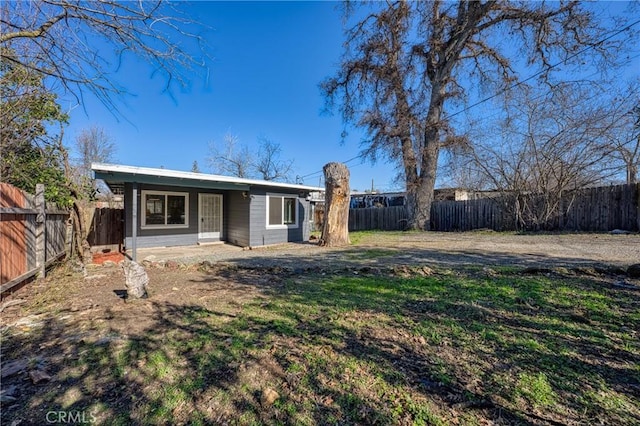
[[236, 212], [169, 236], [244, 218], [261, 235]]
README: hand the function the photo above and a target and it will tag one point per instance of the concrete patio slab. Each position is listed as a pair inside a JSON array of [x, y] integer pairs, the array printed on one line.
[[181, 252]]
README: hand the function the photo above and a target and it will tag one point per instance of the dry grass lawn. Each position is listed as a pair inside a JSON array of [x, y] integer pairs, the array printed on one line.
[[416, 343]]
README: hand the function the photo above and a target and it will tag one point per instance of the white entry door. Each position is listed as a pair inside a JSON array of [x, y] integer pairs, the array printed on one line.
[[209, 216]]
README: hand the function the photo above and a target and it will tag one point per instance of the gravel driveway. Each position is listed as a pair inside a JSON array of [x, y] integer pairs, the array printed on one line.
[[447, 249]]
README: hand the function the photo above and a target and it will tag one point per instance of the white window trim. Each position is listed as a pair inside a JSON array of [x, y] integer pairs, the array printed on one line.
[[297, 213], [143, 210]]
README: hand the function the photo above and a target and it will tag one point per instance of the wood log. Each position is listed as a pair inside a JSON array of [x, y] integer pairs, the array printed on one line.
[[335, 229]]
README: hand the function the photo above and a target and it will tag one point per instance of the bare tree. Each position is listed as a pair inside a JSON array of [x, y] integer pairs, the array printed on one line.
[[269, 165], [549, 146], [625, 140], [93, 145], [406, 63], [631, 159], [237, 159], [230, 158], [71, 41]]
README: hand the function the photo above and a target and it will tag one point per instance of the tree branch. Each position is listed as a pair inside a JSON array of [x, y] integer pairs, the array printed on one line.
[[39, 32]]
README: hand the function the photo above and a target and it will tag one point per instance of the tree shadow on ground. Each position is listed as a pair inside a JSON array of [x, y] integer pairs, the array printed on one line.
[[338, 345], [582, 358], [186, 368], [389, 256]]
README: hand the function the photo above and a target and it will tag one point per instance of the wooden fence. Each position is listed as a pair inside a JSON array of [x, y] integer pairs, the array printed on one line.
[[471, 214], [382, 218], [107, 228], [32, 236], [589, 210], [602, 209]]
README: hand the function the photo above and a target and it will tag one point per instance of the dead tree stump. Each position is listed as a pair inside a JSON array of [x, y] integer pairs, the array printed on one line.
[[335, 229]]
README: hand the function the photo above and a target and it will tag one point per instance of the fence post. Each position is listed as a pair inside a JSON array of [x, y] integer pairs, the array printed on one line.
[[69, 237], [41, 241]]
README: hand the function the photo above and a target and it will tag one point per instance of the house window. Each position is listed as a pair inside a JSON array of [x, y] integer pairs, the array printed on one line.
[[165, 209], [282, 211]]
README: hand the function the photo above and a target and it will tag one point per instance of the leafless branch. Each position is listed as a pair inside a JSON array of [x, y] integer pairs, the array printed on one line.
[[75, 43]]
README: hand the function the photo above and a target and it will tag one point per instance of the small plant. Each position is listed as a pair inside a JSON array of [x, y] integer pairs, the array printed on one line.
[[531, 344], [536, 389]]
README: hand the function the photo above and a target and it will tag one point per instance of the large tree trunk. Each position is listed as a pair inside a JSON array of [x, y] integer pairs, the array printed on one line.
[[632, 172], [335, 230], [418, 202], [420, 187]]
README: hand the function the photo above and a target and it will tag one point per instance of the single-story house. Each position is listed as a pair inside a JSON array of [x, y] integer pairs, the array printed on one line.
[[174, 208]]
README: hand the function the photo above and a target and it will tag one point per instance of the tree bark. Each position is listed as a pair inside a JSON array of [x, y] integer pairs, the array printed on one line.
[[420, 187], [632, 172], [335, 229]]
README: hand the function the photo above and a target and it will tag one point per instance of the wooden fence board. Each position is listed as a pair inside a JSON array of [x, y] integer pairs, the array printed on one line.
[[30, 238], [381, 218], [56, 230], [13, 239], [600, 209], [19, 258], [13, 259], [107, 227], [466, 215]]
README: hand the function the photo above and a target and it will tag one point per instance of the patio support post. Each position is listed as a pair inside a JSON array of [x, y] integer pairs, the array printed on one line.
[[134, 222]]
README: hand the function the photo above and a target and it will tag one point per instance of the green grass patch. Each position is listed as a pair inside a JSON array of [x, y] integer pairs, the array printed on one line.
[[369, 254], [536, 389], [382, 349]]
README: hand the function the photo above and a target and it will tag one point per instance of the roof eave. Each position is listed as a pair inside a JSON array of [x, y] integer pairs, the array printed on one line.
[[115, 173]]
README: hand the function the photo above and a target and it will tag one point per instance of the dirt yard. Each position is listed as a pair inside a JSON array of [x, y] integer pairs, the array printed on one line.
[[447, 249], [70, 343]]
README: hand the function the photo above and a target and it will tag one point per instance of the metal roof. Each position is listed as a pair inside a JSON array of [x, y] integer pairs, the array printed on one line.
[[115, 175]]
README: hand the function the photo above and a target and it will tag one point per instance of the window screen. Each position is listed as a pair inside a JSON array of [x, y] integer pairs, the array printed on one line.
[[282, 210], [275, 210]]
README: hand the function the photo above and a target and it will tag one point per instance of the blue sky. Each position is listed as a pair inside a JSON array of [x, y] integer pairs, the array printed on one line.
[[268, 59]]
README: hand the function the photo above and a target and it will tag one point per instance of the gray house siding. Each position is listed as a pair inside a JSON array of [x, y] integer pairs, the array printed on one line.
[[236, 212], [260, 235], [244, 218], [169, 236]]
